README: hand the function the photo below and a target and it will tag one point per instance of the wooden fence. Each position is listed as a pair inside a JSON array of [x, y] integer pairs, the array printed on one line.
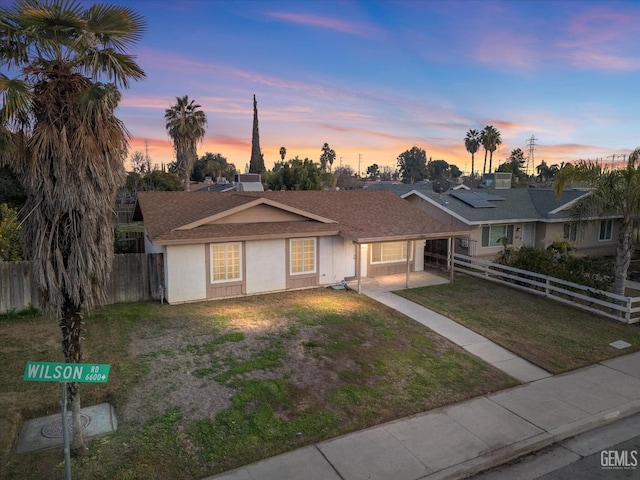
[[135, 277], [617, 307]]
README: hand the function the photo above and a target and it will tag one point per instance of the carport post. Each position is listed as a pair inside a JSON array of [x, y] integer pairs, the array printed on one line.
[[406, 283], [359, 270], [450, 248]]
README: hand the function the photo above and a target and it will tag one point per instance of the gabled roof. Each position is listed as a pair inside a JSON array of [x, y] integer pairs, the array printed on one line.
[[362, 216], [502, 206]]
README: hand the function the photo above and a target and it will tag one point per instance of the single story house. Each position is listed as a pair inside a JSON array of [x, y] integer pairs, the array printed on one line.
[[523, 216], [218, 245]]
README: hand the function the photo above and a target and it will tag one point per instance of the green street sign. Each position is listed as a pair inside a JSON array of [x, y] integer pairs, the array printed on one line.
[[66, 372]]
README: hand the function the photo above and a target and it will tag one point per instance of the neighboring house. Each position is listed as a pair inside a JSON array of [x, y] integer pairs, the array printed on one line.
[[219, 245], [243, 182], [523, 216]]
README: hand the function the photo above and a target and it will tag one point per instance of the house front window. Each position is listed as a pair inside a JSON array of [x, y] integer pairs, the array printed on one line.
[[492, 235], [606, 230], [226, 262], [302, 255], [570, 232], [388, 252]]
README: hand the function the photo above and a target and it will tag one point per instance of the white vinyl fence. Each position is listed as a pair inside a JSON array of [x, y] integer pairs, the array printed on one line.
[[617, 307]]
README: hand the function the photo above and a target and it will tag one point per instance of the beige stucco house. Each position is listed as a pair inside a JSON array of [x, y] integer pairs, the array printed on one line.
[[219, 245]]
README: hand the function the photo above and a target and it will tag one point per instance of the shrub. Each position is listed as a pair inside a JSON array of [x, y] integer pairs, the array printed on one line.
[[559, 261]]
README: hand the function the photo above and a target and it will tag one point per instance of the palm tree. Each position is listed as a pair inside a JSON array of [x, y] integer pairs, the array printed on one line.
[[283, 152], [327, 157], [613, 192], [472, 143], [185, 125], [59, 134], [490, 139]]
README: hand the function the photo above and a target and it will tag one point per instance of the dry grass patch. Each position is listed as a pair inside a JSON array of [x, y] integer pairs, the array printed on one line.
[[226, 383], [554, 336]]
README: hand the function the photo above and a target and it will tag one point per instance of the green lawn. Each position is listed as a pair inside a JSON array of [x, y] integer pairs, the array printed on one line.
[[203, 388], [550, 334]]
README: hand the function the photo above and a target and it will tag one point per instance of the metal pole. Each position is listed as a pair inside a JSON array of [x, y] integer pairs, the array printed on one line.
[[65, 433]]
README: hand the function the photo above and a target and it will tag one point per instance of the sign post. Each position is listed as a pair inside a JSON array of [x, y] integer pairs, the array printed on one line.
[[65, 433], [66, 373]]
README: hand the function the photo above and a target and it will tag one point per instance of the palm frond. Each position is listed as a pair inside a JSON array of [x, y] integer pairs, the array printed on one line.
[[115, 27], [117, 67]]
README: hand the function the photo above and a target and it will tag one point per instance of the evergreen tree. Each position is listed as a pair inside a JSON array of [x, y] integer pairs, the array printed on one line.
[[256, 164], [412, 165]]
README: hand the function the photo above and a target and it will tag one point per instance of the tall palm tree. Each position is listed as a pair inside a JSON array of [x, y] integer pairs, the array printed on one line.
[[496, 141], [490, 139], [58, 132], [283, 152], [472, 143], [613, 192], [185, 125]]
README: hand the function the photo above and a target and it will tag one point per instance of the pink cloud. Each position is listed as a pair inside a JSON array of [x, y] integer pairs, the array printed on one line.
[[602, 39], [508, 50], [351, 28]]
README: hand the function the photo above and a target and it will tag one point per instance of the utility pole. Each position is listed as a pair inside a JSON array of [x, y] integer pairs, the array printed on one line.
[[359, 158], [613, 159]]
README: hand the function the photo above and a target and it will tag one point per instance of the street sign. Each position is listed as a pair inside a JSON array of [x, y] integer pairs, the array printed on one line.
[[66, 372]]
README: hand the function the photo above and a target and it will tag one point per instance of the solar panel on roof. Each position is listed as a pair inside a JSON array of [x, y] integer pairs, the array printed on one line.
[[472, 199], [490, 196]]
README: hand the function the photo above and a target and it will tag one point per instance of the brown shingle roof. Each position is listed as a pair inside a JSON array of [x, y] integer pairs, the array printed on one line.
[[360, 215]]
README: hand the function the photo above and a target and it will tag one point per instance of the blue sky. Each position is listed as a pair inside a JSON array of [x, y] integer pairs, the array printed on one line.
[[374, 78]]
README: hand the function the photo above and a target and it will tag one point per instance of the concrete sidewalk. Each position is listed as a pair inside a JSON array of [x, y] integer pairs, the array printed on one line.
[[472, 342], [459, 440]]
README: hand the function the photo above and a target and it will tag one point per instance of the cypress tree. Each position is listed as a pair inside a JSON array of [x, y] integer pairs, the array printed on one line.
[[256, 164]]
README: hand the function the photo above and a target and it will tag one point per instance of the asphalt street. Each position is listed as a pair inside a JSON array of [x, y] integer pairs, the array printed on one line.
[[611, 452], [620, 464]]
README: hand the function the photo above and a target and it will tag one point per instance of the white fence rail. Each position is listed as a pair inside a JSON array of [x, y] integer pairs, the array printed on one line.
[[617, 307]]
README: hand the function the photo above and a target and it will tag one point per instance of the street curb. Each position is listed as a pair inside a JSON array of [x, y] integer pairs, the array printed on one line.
[[505, 454]]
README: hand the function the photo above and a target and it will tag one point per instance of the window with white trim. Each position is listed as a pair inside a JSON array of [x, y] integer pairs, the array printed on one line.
[[606, 230], [388, 252], [226, 262], [302, 254], [570, 232], [493, 234]]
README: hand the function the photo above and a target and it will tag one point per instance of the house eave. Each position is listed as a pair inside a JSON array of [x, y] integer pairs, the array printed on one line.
[[401, 238], [242, 238]]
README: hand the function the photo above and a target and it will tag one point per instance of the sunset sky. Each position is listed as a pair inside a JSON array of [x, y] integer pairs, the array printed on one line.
[[374, 78]]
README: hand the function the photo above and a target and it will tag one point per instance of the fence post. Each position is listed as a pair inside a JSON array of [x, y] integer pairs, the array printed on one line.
[[627, 314], [546, 287]]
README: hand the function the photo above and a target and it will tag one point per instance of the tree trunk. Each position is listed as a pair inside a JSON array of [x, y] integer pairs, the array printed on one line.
[[71, 326], [484, 167], [472, 166], [623, 256]]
